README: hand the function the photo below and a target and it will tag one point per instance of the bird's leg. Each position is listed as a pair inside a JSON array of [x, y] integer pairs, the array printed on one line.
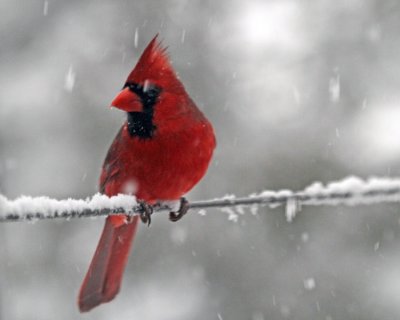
[[183, 209], [145, 212]]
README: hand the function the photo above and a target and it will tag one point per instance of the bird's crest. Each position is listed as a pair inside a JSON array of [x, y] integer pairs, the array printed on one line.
[[154, 66]]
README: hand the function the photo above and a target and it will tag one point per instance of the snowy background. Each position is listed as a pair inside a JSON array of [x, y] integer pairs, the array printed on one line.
[[298, 91]]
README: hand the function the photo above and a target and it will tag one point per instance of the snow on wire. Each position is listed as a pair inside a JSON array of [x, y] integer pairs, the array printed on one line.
[[350, 191]]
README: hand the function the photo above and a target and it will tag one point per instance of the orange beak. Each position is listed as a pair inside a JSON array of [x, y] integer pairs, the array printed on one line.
[[128, 101]]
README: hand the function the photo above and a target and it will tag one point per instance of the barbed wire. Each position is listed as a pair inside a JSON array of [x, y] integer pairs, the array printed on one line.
[[350, 191]]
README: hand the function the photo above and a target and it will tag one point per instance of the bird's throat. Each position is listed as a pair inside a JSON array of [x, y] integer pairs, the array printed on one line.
[[140, 124]]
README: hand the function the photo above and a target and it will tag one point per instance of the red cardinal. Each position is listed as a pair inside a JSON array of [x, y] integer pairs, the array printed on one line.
[[160, 153]]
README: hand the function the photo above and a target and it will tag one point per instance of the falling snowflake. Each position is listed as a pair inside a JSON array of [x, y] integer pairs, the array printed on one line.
[[69, 81]]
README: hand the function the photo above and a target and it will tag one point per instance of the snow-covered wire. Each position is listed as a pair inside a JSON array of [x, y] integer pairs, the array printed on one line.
[[350, 191]]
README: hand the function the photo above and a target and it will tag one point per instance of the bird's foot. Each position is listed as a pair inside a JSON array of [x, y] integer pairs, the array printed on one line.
[[183, 209], [146, 212]]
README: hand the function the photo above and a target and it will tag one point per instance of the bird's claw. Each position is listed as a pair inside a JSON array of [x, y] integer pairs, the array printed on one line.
[[145, 212], [183, 209]]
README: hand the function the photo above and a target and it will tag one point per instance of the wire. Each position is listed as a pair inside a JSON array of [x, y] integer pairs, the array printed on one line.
[[350, 191]]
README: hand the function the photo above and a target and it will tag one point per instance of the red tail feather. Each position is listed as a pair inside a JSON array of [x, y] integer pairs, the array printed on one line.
[[103, 279]]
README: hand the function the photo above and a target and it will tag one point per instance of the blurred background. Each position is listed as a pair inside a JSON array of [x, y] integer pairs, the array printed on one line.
[[298, 91]]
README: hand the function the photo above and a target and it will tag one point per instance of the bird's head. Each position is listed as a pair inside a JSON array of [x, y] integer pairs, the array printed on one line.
[[151, 80]]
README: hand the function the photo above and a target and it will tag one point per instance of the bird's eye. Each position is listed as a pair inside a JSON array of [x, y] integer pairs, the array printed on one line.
[[148, 92], [153, 91], [150, 88]]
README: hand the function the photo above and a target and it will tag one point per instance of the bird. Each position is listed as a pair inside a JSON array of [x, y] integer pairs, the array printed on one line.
[[162, 151]]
